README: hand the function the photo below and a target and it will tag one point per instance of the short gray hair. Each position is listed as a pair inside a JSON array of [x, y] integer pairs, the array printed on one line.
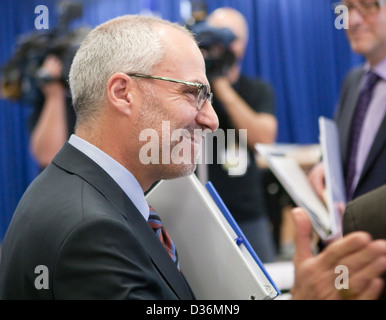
[[127, 44]]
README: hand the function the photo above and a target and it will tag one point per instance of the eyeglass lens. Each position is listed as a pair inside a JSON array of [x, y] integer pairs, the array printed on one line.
[[203, 95], [365, 7]]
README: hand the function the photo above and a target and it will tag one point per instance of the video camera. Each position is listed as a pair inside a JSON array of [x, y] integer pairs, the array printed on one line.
[[215, 46], [22, 76]]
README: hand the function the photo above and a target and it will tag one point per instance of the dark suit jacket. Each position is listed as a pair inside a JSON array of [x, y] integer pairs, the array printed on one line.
[[368, 213], [374, 172], [75, 220]]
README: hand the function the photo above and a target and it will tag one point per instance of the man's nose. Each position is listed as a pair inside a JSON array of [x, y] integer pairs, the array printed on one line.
[[207, 117]]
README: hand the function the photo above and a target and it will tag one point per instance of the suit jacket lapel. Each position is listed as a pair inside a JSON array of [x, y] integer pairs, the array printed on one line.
[[72, 160], [377, 146], [351, 99]]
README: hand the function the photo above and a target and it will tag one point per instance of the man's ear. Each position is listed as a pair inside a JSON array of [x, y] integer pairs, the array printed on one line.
[[120, 89]]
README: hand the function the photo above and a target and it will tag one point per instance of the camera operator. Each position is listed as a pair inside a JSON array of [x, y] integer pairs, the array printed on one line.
[[36, 75], [51, 129], [242, 103]]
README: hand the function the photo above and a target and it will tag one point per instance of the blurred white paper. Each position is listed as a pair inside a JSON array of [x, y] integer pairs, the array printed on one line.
[[336, 196], [294, 180]]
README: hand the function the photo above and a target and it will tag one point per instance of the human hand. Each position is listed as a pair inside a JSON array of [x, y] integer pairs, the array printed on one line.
[[220, 84], [315, 275], [51, 70], [316, 176]]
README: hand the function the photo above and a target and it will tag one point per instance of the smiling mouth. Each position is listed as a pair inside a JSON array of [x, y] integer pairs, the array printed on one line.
[[358, 31], [194, 142], [197, 140], [357, 34], [193, 138]]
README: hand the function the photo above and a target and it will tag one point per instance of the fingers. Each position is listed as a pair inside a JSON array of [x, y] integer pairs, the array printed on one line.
[[364, 266], [53, 66], [343, 248], [315, 276], [372, 291], [341, 206], [303, 229], [316, 178], [371, 259]]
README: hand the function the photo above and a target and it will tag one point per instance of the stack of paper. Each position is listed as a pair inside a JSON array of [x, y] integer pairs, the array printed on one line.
[[325, 216]]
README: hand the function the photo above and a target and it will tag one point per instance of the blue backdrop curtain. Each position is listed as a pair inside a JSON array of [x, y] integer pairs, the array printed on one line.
[[294, 45]]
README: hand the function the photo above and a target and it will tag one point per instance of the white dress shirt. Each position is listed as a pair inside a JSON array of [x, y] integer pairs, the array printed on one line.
[[123, 177], [373, 119]]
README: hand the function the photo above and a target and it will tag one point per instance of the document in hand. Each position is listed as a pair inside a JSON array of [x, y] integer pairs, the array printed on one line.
[[325, 216], [336, 195], [215, 256]]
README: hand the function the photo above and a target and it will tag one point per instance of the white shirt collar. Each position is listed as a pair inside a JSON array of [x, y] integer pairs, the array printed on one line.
[[379, 69], [123, 177]]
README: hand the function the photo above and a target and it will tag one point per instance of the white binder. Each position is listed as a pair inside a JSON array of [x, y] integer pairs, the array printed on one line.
[[214, 255]]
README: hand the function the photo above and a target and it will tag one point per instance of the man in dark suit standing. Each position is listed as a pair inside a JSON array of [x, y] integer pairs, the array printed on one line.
[[363, 156], [81, 229]]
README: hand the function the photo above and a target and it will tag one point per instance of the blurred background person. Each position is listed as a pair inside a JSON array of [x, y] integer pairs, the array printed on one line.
[[54, 120], [241, 103], [363, 137], [37, 75]]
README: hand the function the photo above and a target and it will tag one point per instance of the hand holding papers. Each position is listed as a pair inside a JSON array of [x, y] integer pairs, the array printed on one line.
[[336, 196], [326, 219], [295, 182]]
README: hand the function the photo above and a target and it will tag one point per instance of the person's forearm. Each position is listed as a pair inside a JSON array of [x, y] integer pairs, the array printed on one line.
[[261, 127], [51, 130]]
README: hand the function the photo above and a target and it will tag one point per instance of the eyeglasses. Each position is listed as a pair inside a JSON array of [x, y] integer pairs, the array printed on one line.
[[204, 94], [365, 7]]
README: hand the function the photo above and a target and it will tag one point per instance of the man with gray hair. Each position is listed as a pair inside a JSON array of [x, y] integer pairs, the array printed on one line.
[[83, 229], [80, 230]]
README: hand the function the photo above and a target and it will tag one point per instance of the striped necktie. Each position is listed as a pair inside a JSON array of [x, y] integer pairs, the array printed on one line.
[[155, 223]]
